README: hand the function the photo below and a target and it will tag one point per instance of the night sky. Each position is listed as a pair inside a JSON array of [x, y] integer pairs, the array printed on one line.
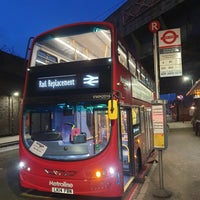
[[22, 19]]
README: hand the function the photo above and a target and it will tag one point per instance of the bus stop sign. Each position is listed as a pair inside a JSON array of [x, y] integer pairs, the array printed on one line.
[[154, 26]]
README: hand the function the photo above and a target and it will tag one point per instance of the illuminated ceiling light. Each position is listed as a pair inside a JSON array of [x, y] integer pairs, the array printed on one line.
[[72, 48], [105, 35], [64, 43], [38, 61]]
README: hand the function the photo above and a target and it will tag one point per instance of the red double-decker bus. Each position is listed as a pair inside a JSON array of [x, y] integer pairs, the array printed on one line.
[[85, 125]]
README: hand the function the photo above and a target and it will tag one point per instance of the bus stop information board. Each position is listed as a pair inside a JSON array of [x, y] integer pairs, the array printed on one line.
[[159, 126], [170, 52]]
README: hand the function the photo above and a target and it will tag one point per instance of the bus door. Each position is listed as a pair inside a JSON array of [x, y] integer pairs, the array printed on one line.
[[127, 144]]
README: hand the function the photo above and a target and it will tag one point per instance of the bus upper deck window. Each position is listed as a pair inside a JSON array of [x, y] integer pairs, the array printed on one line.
[[132, 64], [122, 55], [44, 58]]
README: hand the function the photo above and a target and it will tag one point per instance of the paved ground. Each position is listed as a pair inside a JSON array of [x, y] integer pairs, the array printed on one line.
[[7, 139], [181, 167]]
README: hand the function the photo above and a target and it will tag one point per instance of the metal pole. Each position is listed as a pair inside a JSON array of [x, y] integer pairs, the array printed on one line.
[[156, 65], [161, 193], [9, 115], [161, 169], [157, 97], [12, 115]]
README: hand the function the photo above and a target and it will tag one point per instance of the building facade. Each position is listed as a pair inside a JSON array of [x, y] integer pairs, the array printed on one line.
[[12, 72]]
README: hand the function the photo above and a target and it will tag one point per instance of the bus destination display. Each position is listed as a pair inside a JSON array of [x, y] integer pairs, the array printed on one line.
[[68, 82]]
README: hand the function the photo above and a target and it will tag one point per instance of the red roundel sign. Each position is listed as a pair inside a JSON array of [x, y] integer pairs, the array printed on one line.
[[169, 37]]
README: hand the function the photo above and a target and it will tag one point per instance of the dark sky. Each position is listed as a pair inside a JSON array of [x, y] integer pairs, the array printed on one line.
[[21, 19]]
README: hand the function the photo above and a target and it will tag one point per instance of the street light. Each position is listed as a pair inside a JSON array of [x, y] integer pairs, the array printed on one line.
[[188, 78], [14, 109]]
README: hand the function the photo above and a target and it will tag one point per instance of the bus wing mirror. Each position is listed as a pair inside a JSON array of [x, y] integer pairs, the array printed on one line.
[[112, 109]]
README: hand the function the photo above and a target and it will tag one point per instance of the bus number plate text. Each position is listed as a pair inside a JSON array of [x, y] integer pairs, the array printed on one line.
[[62, 190]]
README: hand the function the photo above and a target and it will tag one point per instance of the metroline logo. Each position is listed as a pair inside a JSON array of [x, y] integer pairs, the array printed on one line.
[[61, 184]]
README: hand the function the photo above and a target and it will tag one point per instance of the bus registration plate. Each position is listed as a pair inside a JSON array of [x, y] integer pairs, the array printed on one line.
[[62, 190]]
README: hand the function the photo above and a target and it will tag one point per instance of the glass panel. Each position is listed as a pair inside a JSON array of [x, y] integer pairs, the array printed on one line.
[[102, 129], [142, 119], [66, 132], [136, 120], [132, 64], [124, 125], [44, 58], [138, 71], [124, 132], [122, 55], [143, 75], [72, 44], [148, 129]]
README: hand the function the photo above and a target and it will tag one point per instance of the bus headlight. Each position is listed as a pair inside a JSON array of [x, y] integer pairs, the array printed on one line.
[[111, 171], [23, 166]]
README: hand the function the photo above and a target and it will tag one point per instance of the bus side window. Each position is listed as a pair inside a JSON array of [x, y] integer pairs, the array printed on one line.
[[122, 55], [135, 121], [132, 64], [142, 119], [136, 129]]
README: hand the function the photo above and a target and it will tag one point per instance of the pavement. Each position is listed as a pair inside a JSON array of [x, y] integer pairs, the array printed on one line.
[[9, 143], [7, 139], [178, 178], [175, 125]]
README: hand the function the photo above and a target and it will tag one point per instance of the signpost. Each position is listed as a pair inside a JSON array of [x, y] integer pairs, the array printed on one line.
[[159, 112]]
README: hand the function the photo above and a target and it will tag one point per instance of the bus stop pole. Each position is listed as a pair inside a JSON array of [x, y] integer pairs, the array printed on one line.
[[158, 97], [155, 53], [161, 193], [161, 181]]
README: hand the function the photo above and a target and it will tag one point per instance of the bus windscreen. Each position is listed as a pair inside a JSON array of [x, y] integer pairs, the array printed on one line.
[[70, 44]]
